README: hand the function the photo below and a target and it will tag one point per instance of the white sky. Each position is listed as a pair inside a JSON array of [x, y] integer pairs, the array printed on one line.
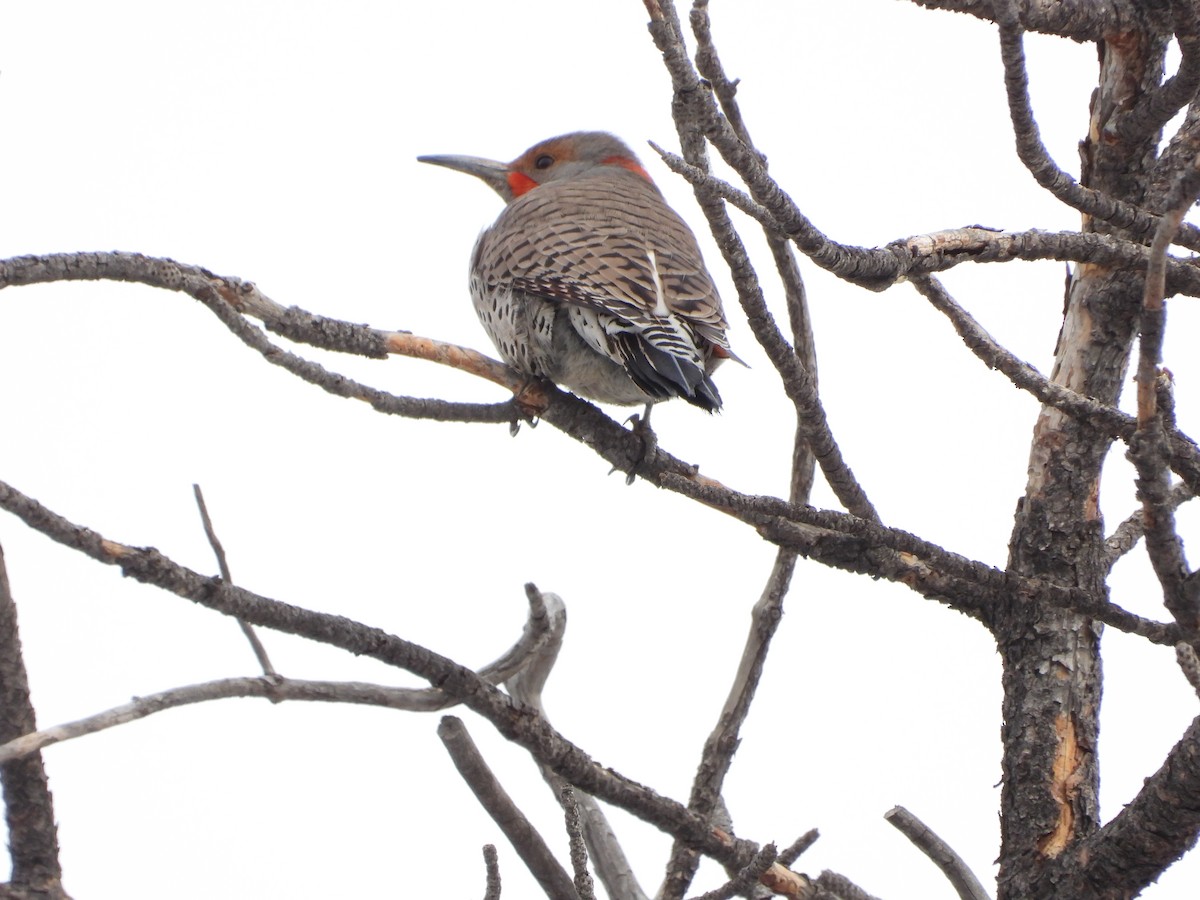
[[276, 142]]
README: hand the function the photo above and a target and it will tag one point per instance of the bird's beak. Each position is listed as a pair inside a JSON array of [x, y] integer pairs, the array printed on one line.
[[494, 174]]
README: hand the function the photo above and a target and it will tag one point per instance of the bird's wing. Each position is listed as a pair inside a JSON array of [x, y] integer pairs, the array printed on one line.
[[634, 259]]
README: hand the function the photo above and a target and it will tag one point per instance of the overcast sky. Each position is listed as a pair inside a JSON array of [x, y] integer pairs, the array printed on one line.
[[277, 142]]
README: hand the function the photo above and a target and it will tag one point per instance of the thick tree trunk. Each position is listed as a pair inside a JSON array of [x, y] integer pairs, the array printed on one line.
[[1052, 675]]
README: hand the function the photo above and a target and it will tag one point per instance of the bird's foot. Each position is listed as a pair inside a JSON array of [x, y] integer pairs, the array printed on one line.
[[640, 425], [529, 402]]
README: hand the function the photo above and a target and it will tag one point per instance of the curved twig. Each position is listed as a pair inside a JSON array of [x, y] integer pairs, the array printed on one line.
[[966, 885], [273, 688], [609, 860], [229, 297], [1156, 108], [1036, 158]]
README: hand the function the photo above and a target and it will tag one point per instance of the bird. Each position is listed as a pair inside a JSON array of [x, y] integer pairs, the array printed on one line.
[[589, 279]]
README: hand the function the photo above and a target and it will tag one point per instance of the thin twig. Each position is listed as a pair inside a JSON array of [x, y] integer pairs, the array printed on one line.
[[794, 850], [524, 838], [260, 652], [584, 886], [717, 756], [966, 885], [745, 880], [1126, 535], [355, 692], [692, 105], [1149, 449], [708, 64], [1019, 372], [492, 865], [1182, 451], [834, 886]]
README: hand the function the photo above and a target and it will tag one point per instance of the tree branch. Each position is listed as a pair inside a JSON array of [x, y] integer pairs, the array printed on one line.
[[1080, 20], [1155, 109], [227, 297], [491, 864], [260, 652], [966, 885], [1126, 535], [1033, 153], [844, 542], [1150, 832], [519, 725], [584, 885], [611, 865], [29, 808], [520, 832], [879, 268], [691, 105], [1149, 449]]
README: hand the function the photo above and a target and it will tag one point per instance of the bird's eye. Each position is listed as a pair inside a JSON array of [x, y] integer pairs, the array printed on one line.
[[544, 161]]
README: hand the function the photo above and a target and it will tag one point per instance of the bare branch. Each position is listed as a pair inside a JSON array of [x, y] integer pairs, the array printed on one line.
[[524, 838], [492, 865], [584, 886], [717, 755], [708, 63], [845, 542], [746, 879], [1149, 448], [260, 652], [795, 850], [1149, 833], [1155, 108], [29, 808], [1126, 535], [1020, 373], [1080, 20], [691, 107], [1032, 152], [832, 886], [1189, 663], [880, 268], [276, 690], [966, 885], [517, 724], [542, 627], [611, 865], [227, 296]]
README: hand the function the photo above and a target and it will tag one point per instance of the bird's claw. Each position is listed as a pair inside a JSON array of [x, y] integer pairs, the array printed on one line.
[[529, 402], [641, 427]]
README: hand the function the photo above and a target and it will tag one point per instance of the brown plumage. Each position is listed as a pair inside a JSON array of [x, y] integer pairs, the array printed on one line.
[[589, 279]]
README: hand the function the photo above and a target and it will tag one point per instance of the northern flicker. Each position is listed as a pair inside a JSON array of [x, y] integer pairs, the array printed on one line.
[[589, 279]]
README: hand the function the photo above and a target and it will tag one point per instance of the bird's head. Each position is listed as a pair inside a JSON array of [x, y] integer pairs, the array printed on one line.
[[561, 158]]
